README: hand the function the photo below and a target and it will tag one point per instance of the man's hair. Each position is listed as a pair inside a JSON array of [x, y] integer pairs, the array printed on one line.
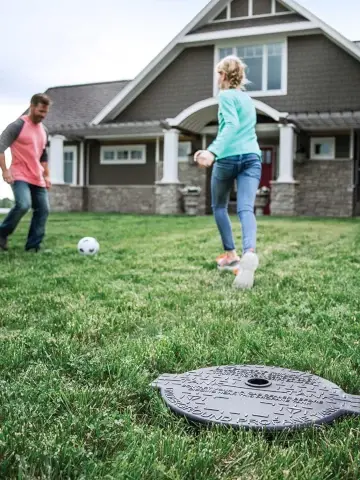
[[40, 98]]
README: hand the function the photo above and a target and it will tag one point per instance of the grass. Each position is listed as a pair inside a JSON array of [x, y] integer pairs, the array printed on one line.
[[82, 338]]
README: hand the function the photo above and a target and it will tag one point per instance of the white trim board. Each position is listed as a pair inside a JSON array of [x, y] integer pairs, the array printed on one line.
[[172, 50], [249, 32]]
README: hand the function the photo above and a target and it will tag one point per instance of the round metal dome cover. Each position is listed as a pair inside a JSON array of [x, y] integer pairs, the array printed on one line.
[[256, 397]]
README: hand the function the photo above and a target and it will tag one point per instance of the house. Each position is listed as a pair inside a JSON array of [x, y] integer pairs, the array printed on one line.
[[125, 146]]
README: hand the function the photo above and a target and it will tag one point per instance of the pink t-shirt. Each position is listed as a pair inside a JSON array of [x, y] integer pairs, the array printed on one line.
[[27, 142]]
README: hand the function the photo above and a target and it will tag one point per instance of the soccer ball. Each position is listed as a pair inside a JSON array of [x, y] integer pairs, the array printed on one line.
[[88, 246]]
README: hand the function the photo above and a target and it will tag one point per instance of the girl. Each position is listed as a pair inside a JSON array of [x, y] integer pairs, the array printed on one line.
[[237, 156]]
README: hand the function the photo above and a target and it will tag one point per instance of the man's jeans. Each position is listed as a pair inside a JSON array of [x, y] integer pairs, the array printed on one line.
[[27, 196], [246, 170]]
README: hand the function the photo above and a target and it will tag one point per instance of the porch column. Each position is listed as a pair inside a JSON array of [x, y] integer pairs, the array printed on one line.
[[283, 190], [286, 160], [167, 192], [81, 181], [171, 145], [56, 159]]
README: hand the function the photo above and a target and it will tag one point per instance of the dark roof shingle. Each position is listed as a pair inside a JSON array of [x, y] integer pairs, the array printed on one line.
[[80, 103]]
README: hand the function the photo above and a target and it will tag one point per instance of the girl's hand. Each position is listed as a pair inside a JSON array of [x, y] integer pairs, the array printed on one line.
[[204, 158]]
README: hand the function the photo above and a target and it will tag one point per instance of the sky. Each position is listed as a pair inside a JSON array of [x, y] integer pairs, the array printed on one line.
[[45, 44]]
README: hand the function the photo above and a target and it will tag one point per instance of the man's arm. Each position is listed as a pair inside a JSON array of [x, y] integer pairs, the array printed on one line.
[[7, 138], [44, 160]]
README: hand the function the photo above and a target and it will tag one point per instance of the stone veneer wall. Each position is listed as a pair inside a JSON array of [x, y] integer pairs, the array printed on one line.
[[325, 188], [283, 198], [190, 175], [66, 198], [120, 198]]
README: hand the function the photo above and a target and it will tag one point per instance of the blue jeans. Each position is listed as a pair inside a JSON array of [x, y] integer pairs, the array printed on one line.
[[27, 196], [246, 170]]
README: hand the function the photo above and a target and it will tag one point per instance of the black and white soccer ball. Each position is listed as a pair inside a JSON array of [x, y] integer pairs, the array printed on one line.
[[88, 246]]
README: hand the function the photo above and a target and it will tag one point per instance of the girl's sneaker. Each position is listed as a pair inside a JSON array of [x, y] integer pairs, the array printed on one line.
[[245, 272], [224, 263]]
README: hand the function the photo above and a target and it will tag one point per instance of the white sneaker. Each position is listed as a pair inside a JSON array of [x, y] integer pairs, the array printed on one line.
[[246, 273]]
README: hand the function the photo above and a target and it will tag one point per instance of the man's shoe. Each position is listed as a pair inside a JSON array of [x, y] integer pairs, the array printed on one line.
[[3, 244]]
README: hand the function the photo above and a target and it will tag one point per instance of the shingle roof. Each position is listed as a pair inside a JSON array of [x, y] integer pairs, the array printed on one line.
[[80, 103]]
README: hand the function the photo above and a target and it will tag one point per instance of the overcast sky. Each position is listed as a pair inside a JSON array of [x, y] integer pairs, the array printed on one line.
[[47, 43]]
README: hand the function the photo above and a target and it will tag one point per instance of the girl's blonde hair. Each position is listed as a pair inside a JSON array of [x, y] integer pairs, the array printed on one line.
[[234, 69]]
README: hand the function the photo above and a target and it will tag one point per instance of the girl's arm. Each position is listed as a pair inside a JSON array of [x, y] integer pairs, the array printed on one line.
[[231, 119]]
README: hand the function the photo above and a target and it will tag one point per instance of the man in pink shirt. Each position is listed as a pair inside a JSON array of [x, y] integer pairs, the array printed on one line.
[[28, 174]]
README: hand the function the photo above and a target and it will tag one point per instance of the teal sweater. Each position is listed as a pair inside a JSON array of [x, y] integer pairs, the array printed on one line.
[[237, 121]]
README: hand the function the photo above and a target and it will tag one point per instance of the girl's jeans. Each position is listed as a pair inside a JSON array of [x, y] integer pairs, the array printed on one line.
[[246, 170]]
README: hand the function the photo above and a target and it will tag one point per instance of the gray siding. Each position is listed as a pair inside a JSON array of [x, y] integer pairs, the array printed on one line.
[[250, 22], [122, 174], [239, 8], [322, 77], [221, 15], [280, 8], [260, 7], [186, 81]]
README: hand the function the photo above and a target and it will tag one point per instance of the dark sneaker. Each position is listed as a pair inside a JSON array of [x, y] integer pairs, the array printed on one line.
[[3, 244], [37, 250]]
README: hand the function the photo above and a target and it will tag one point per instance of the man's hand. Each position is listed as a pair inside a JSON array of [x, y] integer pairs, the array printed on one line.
[[204, 158], [47, 182], [8, 178]]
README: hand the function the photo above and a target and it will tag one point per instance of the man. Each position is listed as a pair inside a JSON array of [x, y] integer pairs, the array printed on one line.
[[28, 174]]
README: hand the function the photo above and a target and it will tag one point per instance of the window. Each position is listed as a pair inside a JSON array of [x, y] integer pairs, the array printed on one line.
[[184, 151], [123, 154], [323, 148], [70, 165], [266, 66]]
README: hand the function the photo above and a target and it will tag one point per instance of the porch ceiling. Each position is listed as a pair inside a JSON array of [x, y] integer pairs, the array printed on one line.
[[333, 120]]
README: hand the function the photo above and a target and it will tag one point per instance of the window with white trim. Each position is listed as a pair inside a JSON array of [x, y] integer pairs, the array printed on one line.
[[266, 66], [322, 148], [184, 150], [123, 155], [70, 164]]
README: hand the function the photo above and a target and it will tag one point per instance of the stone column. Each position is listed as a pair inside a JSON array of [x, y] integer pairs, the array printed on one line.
[[283, 190], [167, 189], [56, 159]]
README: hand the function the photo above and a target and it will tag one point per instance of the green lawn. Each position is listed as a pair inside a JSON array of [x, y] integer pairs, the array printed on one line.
[[82, 338]]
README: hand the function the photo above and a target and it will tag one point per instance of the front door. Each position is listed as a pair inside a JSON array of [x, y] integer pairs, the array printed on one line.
[[268, 160]]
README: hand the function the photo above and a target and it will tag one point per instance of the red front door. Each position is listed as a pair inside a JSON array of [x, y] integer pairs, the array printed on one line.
[[268, 156]]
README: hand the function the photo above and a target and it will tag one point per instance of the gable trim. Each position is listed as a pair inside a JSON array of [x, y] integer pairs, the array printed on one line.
[[213, 101], [169, 53], [248, 32]]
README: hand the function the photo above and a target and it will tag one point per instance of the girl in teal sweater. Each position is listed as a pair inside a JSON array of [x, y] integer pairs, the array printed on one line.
[[236, 156]]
